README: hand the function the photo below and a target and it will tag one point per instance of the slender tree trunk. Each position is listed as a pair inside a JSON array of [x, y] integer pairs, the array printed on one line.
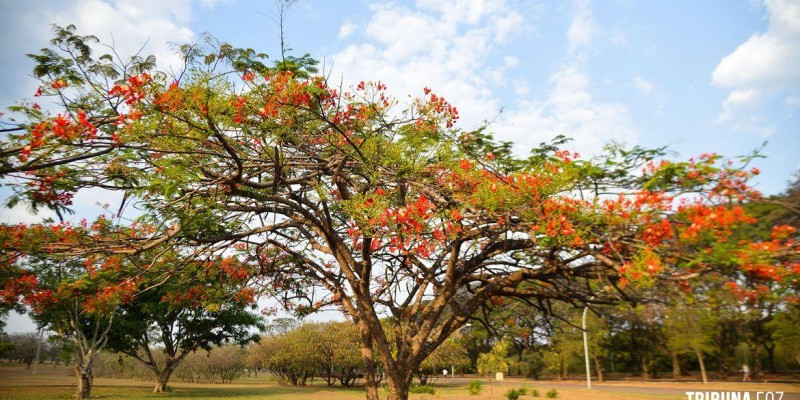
[[635, 353], [598, 366], [423, 378], [756, 352], [676, 365], [726, 345], [702, 365], [652, 362], [770, 356], [86, 350], [645, 368]]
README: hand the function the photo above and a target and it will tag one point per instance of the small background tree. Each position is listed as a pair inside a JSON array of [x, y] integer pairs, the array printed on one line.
[[689, 329], [495, 360]]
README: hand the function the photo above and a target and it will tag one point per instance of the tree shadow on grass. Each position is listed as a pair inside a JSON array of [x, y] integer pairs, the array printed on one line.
[[144, 391], [254, 392]]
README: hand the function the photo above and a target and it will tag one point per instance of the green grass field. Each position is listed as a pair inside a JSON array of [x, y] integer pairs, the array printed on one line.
[[18, 383]]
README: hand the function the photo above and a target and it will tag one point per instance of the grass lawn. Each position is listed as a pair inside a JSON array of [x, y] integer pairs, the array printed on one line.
[[53, 383]]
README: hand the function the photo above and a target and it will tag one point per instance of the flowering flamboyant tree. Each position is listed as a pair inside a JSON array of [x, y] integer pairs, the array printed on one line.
[[97, 298], [197, 305], [348, 198], [73, 295]]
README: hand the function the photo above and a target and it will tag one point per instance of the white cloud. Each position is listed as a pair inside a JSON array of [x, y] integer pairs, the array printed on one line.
[[765, 63], [449, 45], [643, 85], [511, 61], [656, 97], [22, 214], [346, 29], [753, 124], [737, 99], [582, 28], [763, 60], [444, 45], [209, 4], [570, 109], [521, 87], [129, 25]]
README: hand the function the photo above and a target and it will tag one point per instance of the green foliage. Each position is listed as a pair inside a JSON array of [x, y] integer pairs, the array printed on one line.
[[513, 394], [292, 357], [552, 394], [187, 322], [535, 392], [303, 67], [451, 353], [330, 350], [7, 347], [222, 364], [786, 333], [22, 346], [533, 363], [495, 360], [420, 389], [690, 328], [522, 391], [475, 387]]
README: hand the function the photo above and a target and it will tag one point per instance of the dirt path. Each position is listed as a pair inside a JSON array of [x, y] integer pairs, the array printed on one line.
[[759, 387], [757, 390]]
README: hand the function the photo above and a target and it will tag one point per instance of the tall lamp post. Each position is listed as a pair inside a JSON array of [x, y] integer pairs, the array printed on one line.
[[586, 347]]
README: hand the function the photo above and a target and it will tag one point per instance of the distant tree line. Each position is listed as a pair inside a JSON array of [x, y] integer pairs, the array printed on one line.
[[298, 354], [22, 348]]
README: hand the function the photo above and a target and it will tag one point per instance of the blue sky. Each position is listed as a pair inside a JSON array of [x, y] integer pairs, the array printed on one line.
[[699, 76]]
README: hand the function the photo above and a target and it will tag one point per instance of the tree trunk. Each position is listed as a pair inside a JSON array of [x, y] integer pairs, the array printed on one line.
[[645, 368], [598, 366], [84, 390], [423, 378], [635, 353], [702, 365], [676, 365], [727, 341], [398, 386], [756, 352], [368, 359], [652, 362], [770, 356], [162, 380]]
